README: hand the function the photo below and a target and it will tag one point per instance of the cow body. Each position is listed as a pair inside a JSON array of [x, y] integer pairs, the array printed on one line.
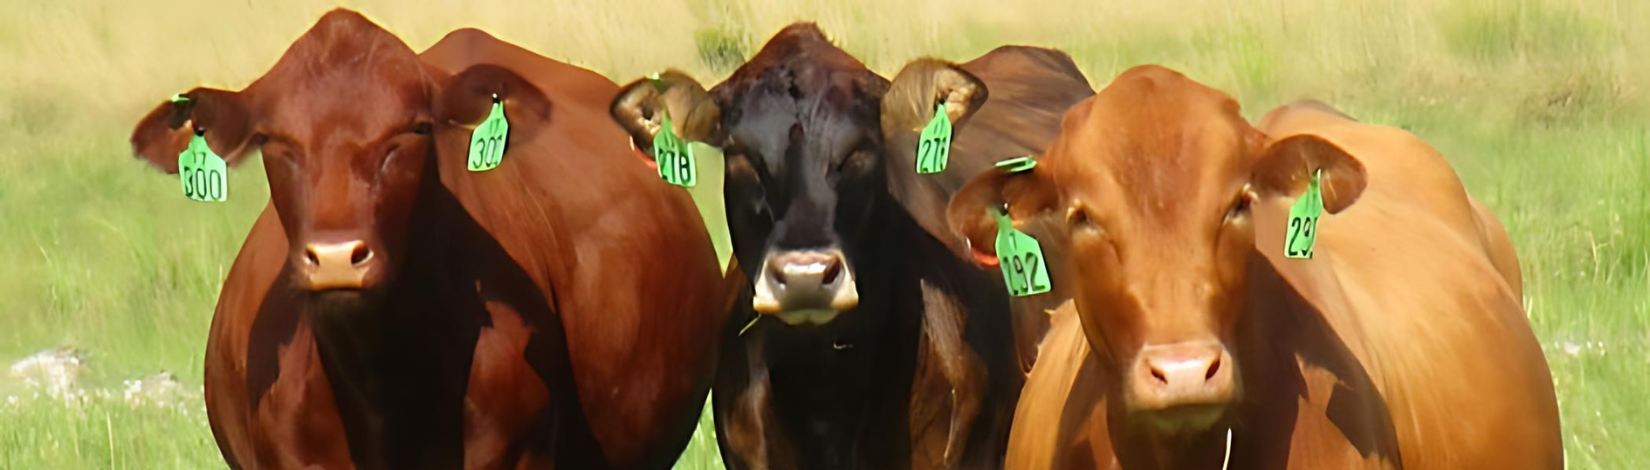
[[1400, 344], [887, 351], [494, 319]]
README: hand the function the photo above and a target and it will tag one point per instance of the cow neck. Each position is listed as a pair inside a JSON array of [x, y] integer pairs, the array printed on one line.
[[399, 368], [1281, 334], [829, 381]]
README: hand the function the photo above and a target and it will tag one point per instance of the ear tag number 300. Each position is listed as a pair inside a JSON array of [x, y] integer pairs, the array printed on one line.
[[934, 144], [488, 139], [674, 157], [204, 174], [1303, 221], [1021, 259]]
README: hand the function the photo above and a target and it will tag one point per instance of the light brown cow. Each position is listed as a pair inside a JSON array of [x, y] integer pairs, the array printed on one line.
[[1401, 344]]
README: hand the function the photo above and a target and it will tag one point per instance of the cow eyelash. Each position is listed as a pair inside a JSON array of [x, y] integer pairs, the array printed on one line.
[[423, 128], [1239, 207], [1078, 216]]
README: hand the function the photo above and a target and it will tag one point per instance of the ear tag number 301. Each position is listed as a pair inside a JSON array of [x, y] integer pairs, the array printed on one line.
[[204, 174], [934, 144], [488, 139], [1303, 221], [1021, 259], [674, 157]]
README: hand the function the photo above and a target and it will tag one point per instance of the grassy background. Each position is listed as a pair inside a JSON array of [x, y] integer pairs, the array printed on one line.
[[1540, 104]]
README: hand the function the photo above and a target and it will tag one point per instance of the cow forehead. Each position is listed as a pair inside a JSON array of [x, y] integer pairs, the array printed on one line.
[[1155, 145], [346, 78]]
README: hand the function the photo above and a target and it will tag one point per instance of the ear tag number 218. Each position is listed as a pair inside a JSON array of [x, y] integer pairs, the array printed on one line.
[[1021, 259], [674, 156]]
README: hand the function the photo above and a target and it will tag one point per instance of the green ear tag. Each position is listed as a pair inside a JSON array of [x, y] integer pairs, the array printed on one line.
[[1021, 259], [488, 139], [674, 156], [1017, 164], [934, 145], [1303, 221], [204, 174]]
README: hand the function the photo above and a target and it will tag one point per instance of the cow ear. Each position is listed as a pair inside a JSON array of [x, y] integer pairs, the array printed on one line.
[[1286, 166], [924, 84], [640, 108], [972, 210], [467, 98], [218, 115]]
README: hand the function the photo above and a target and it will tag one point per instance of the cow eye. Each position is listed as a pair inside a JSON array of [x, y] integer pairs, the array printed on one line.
[[857, 163], [1078, 217], [1239, 207], [423, 128]]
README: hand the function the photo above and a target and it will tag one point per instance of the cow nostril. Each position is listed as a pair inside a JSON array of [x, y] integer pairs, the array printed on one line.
[[1214, 366], [360, 255], [776, 273], [833, 268], [309, 254], [1158, 374]]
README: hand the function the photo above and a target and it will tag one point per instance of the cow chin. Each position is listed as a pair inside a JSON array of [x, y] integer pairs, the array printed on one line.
[[343, 302]]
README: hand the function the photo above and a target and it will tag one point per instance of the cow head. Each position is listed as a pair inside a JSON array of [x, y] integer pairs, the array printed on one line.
[[1155, 178], [344, 122], [801, 127]]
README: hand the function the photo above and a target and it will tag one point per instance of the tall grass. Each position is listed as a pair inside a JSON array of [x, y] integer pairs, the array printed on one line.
[[1540, 104]]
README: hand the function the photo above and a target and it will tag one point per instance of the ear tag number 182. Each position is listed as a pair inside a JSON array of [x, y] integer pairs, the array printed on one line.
[[1021, 259], [674, 157], [934, 144], [1303, 221], [204, 174], [488, 139]]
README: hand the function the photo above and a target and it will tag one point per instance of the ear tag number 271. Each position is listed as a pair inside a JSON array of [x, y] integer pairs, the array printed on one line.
[[488, 139], [1021, 259], [934, 144], [1302, 231]]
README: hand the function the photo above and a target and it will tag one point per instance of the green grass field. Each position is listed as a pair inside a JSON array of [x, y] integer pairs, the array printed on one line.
[[1541, 105]]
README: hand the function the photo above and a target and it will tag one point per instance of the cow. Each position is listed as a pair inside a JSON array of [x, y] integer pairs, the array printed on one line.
[[390, 309], [1396, 341], [888, 351]]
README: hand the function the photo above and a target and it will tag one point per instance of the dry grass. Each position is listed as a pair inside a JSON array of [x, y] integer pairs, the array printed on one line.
[[1540, 104]]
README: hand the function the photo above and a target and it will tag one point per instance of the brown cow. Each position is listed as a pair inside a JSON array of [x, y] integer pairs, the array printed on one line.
[[889, 352], [1401, 344], [392, 310]]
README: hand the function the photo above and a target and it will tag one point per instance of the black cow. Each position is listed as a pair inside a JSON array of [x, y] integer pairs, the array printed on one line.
[[890, 350]]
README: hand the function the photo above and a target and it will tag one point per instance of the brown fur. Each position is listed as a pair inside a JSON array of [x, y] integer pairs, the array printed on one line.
[[518, 359], [1401, 344]]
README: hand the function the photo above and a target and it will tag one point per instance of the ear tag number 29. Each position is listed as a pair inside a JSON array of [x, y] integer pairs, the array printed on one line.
[[1302, 231], [204, 173], [934, 144], [1021, 259], [488, 139], [674, 157]]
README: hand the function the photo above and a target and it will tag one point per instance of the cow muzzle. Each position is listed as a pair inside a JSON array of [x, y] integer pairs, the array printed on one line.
[[337, 266], [1182, 387], [805, 286]]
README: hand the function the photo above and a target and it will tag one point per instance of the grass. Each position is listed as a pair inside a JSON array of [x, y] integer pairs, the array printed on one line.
[[1539, 104]]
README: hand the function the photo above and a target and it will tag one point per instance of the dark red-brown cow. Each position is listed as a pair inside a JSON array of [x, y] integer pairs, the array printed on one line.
[[391, 309], [1398, 342], [888, 352]]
